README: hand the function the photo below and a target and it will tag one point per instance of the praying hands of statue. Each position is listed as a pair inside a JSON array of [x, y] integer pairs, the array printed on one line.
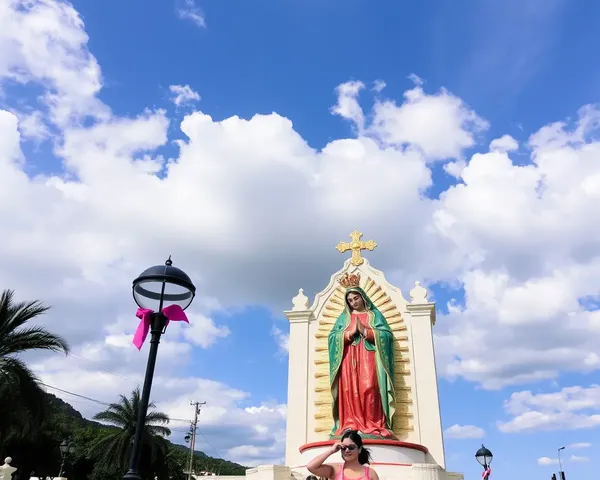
[[361, 328], [351, 332]]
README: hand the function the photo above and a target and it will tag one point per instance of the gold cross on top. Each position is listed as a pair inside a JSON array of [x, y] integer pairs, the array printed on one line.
[[356, 246]]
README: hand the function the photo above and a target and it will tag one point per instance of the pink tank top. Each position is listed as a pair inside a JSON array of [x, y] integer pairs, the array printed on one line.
[[340, 475]]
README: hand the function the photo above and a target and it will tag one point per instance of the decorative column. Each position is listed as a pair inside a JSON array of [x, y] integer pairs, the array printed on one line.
[[426, 471], [430, 422], [298, 381]]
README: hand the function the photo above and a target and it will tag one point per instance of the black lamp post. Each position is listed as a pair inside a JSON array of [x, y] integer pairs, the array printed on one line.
[[155, 289], [66, 447], [561, 474], [484, 457]]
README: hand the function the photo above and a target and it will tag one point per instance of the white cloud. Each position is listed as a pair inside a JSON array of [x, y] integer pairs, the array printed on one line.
[[347, 105], [282, 338], [188, 10], [571, 408], [505, 143], [379, 85], [418, 81], [464, 431], [523, 236], [32, 126], [578, 459], [545, 461], [203, 331], [183, 94], [44, 42], [439, 125], [579, 445]]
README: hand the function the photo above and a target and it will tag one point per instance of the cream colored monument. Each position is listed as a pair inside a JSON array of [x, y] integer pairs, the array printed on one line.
[[413, 447], [373, 373]]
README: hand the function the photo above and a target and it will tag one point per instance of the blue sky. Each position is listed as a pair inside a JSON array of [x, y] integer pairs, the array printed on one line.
[[118, 174]]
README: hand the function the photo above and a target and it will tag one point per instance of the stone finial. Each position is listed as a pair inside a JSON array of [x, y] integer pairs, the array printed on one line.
[[6, 470], [300, 302], [418, 294]]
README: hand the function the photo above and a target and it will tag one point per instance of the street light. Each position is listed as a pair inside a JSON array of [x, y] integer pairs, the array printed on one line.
[[561, 474], [66, 447], [156, 289], [484, 457]]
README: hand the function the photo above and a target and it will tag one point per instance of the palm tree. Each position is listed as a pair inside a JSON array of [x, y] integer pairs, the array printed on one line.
[[116, 445], [22, 398]]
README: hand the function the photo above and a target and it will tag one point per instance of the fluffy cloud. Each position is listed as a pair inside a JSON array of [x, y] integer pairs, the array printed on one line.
[[579, 445], [464, 431], [183, 94], [44, 42], [571, 408], [545, 461], [578, 459], [188, 10], [282, 339], [438, 126], [530, 255], [505, 143]]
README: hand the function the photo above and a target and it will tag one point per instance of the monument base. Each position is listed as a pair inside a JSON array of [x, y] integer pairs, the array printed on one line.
[[392, 459]]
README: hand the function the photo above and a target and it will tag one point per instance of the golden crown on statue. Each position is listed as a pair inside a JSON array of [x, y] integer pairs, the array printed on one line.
[[350, 280]]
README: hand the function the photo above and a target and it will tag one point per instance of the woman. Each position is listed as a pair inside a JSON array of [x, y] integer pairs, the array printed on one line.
[[355, 458], [361, 367]]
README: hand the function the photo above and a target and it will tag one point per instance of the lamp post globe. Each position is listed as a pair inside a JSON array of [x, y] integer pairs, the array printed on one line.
[[65, 447], [163, 285], [484, 457], [156, 289]]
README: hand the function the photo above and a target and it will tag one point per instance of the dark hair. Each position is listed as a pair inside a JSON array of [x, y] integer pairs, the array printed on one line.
[[311, 477], [364, 455]]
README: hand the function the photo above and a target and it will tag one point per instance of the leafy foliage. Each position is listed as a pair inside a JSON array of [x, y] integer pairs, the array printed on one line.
[[21, 397], [117, 445]]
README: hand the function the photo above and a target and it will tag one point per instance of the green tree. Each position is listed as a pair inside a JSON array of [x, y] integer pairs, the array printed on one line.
[[22, 399], [116, 445]]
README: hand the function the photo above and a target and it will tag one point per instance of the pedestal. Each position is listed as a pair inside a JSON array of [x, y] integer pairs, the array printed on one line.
[[392, 459]]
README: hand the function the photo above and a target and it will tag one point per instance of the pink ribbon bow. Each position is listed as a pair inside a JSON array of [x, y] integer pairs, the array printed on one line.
[[173, 313], [486, 473]]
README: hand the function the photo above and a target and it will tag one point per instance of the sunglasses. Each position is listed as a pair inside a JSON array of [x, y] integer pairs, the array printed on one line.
[[348, 447]]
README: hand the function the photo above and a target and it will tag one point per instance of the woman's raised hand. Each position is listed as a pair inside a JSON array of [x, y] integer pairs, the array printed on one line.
[[336, 447]]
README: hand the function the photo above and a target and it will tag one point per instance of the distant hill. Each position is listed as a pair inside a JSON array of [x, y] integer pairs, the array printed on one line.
[[71, 416]]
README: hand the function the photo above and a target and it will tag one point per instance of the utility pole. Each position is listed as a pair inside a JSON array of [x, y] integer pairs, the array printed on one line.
[[197, 406]]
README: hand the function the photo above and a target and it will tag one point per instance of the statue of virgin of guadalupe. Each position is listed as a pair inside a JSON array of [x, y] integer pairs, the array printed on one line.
[[361, 366]]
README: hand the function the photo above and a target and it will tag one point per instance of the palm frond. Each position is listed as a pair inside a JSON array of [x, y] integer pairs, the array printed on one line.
[[14, 315], [157, 430], [112, 417], [157, 417], [33, 338]]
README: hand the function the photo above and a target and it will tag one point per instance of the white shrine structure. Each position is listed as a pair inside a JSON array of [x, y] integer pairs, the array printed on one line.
[[418, 452]]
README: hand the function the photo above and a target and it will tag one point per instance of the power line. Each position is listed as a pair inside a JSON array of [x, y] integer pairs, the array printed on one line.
[[105, 404], [76, 394], [137, 382]]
